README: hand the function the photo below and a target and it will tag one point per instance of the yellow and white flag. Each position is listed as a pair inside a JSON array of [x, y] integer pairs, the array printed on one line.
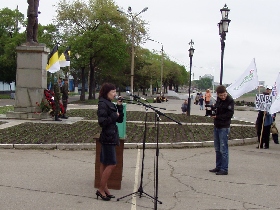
[[64, 59], [53, 62]]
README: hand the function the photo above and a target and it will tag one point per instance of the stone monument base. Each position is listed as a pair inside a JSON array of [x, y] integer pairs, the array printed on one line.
[[31, 80], [27, 115]]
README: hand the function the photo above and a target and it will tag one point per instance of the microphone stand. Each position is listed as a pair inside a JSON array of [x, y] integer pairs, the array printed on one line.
[[158, 114], [140, 189]]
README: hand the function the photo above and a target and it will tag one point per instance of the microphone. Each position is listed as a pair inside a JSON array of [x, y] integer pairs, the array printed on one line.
[[119, 98], [138, 97]]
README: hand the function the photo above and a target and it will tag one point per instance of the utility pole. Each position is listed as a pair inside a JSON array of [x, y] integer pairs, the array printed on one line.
[[161, 71]]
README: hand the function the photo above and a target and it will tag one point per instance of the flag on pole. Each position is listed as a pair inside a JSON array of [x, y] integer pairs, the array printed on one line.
[[53, 62], [244, 84], [276, 86], [275, 107], [64, 59]]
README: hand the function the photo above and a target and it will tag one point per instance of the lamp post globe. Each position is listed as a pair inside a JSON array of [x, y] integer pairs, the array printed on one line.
[[223, 29]]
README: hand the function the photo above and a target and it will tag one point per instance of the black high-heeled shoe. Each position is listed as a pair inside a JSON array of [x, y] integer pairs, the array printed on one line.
[[104, 198], [109, 196]]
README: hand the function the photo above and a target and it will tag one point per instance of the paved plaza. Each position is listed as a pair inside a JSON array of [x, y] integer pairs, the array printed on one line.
[[62, 179]]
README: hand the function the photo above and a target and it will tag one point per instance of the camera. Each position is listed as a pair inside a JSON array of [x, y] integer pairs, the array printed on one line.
[[212, 110]]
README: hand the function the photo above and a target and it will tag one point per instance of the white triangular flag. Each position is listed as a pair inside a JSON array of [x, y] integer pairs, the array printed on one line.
[[245, 83], [275, 107]]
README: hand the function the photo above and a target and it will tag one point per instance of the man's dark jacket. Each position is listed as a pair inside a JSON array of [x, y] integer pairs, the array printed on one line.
[[224, 112], [107, 119]]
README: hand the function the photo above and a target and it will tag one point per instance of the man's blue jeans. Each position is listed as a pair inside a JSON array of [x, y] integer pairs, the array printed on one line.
[[221, 147]]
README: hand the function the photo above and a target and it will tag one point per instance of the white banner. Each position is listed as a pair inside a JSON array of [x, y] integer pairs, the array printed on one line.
[[275, 107], [263, 102], [247, 82]]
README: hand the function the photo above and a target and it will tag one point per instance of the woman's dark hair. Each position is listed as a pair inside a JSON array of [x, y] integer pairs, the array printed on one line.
[[105, 89], [221, 89]]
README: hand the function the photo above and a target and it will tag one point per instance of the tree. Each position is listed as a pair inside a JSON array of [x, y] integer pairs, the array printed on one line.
[[147, 69], [49, 35], [10, 38], [98, 25], [204, 83]]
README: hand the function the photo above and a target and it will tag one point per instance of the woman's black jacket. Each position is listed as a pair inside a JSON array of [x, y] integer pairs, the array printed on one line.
[[107, 118]]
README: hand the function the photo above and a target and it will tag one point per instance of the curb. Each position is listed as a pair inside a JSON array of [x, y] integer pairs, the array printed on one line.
[[91, 146]]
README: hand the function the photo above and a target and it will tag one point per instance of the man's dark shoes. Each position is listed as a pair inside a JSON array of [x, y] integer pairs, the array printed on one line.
[[222, 172], [214, 170], [56, 118], [64, 117]]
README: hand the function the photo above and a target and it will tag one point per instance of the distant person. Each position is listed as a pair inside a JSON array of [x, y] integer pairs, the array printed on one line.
[[185, 107], [108, 115], [57, 110], [224, 109], [207, 102], [274, 130], [197, 98], [207, 96], [263, 125], [65, 92], [201, 102]]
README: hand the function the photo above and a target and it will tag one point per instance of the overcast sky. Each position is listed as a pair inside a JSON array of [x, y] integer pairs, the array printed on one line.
[[254, 32]]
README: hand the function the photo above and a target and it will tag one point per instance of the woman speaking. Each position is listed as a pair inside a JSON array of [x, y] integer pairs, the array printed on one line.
[[108, 115]]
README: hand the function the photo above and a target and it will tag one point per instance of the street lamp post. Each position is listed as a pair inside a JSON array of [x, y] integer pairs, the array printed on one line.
[[130, 14], [161, 68], [223, 29], [191, 51]]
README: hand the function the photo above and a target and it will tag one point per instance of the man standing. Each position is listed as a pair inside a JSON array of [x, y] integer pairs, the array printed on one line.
[[32, 24], [64, 91], [207, 102], [57, 99], [224, 108], [263, 124]]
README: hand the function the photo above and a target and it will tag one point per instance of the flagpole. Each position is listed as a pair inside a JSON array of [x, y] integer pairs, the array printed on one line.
[[262, 131]]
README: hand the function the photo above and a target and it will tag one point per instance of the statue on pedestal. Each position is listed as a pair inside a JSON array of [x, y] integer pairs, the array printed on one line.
[[32, 24]]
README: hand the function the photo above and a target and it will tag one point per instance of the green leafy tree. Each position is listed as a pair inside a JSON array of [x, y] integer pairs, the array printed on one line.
[[149, 74], [49, 35], [204, 83], [98, 25], [10, 38]]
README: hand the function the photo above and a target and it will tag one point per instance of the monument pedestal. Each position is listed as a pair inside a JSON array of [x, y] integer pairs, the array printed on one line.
[[31, 80]]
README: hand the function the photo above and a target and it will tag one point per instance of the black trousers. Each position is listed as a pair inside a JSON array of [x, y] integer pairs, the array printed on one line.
[[265, 135]]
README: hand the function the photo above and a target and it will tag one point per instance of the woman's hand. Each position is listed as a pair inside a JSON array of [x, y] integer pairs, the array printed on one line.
[[119, 102]]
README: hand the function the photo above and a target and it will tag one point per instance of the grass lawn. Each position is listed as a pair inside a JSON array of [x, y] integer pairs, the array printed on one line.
[[83, 131]]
